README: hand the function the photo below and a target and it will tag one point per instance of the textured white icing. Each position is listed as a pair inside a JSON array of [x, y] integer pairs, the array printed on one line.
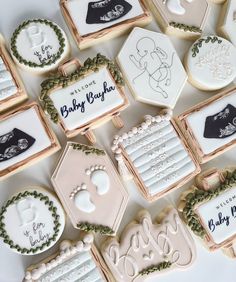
[[78, 12], [74, 263], [158, 156], [95, 83], [144, 244], [7, 84], [229, 25], [197, 120], [213, 67], [219, 216], [83, 202], [29, 223], [38, 43], [23, 121], [152, 67]]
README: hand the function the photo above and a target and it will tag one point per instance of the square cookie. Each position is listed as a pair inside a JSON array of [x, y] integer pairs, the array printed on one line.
[[177, 17], [12, 91], [74, 261], [93, 21], [94, 197], [156, 155], [209, 209], [87, 97], [152, 68], [22, 144], [210, 127]]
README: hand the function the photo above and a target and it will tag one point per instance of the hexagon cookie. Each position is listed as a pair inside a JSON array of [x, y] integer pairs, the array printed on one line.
[[177, 17], [152, 68], [227, 22], [90, 189]]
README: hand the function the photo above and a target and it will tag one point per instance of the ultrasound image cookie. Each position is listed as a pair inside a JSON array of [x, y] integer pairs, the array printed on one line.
[[14, 143], [107, 11], [222, 124]]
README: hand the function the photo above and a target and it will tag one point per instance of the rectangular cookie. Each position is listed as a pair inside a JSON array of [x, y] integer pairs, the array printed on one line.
[[210, 127], [156, 155], [21, 143], [12, 91], [92, 21], [95, 198]]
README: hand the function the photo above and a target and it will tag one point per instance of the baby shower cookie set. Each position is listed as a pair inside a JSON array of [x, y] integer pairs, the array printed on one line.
[[161, 153]]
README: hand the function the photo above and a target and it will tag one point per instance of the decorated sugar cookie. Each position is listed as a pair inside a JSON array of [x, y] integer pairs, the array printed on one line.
[[227, 22], [84, 99], [147, 249], [152, 68], [156, 156], [177, 17], [210, 63], [93, 189], [209, 209], [210, 127], [39, 45], [22, 144], [75, 261], [32, 221], [93, 21], [12, 91]]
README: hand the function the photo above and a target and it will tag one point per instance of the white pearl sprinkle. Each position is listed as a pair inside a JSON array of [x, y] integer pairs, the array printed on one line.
[[92, 168], [83, 186], [125, 136], [158, 119], [130, 134], [87, 171], [96, 167], [135, 130], [116, 137], [118, 151]]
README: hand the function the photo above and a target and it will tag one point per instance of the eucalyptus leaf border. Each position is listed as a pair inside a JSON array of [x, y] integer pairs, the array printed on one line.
[[154, 268], [197, 197], [56, 57], [198, 44], [90, 65], [186, 28], [97, 228], [37, 195], [88, 149]]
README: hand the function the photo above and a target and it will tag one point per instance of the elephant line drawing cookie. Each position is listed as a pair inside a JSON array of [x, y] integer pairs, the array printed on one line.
[[152, 62], [155, 74], [92, 190], [92, 22], [175, 17], [146, 249]]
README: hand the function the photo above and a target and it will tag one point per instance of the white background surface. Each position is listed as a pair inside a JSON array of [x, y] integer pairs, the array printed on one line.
[[213, 267]]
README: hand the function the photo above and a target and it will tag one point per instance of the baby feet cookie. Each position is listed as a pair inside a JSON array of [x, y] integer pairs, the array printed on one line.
[[12, 91], [209, 209], [176, 17], [39, 46], [147, 249], [74, 261], [31, 221], [93, 188], [94, 21], [152, 68], [210, 63]]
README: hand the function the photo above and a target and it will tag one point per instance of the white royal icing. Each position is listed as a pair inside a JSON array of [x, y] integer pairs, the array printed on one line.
[[213, 66], [152, 68], [23, 121], [29, 223], [87, 99], [100, 179], [78, 12], [157, 154], [229, 23], [83, 202], [219, 216], [74, 263], [7, 84], [197, 121], [38, 43]]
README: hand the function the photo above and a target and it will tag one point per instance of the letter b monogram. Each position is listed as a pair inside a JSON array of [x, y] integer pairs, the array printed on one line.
[[26, 211], [35, 35]]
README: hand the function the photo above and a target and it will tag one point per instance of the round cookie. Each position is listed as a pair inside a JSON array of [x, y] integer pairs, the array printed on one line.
[[39, 46], [210, 63], [31, 221]]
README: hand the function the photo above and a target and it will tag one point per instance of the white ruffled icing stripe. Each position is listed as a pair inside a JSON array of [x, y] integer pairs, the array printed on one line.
[[7, 85], [157, 136], [169, 179], [160, 146], [5, 75], [2, 65], [151, 129]]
